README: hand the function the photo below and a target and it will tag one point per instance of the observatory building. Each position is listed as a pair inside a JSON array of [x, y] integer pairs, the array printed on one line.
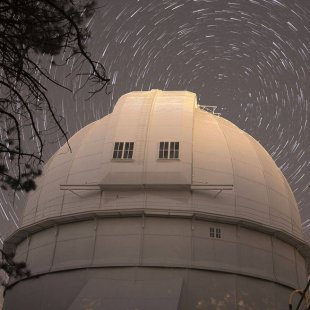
[[160, 205]]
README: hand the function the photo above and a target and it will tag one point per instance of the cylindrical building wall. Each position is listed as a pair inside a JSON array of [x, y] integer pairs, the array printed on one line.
[[163, 242], [237, 266], [120, 288]]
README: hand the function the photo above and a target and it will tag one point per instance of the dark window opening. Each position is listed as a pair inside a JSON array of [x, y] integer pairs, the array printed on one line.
[[215, 233], [128, 152], [123, 150], [169, 150]]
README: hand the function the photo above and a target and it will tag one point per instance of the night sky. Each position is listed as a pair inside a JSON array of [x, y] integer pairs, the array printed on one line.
[[250, 58]]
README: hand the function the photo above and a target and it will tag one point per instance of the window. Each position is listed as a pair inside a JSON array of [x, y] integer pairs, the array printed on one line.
[[168, 150], [128, 152], [215, 233], [123, 150], [211, 232], [163, 149]]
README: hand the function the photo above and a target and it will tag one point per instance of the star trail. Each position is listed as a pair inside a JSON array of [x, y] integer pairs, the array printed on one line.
[[250, 58]]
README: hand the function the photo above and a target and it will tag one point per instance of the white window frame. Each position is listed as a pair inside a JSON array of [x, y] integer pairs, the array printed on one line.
[[215, 233], [123, 150], [169, 150]]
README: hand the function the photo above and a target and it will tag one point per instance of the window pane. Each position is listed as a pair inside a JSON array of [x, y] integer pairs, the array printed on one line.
[[212, 232], [117, 150], [119, 154], [128, 150], [174, 149]]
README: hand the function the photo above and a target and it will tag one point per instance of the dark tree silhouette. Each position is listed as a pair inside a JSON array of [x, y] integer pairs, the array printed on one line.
[[30, 30], [13, 269]]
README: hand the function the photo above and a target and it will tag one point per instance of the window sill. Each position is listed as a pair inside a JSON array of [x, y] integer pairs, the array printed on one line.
[[168, 159], [122, 160]]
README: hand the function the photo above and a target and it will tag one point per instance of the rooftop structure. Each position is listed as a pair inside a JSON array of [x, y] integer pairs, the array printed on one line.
[[160, 205]]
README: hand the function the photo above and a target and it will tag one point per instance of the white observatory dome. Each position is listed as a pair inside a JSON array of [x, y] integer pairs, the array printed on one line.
[[220, 170], [160, 205]]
